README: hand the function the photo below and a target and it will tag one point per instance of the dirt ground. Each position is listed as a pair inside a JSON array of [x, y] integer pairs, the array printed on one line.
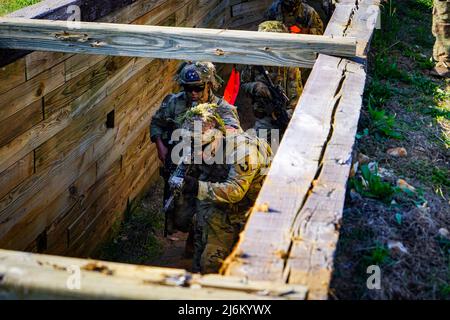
[[406, 234]]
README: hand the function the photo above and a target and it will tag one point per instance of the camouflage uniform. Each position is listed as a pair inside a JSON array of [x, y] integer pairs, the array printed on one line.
[[305, 17], [226, 193], [289, 78], [164, 122], [441, 30], [227, 186]]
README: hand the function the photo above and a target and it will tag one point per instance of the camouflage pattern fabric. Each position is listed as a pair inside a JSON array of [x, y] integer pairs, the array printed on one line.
[[441, 30], [226, 193], [305, 17]]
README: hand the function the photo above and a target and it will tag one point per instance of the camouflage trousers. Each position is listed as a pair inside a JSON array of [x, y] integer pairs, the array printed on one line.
[[441, 30], [216, 231]]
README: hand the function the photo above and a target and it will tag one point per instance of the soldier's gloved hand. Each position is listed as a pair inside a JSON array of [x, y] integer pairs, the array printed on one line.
[[191, 186], [261, 90]]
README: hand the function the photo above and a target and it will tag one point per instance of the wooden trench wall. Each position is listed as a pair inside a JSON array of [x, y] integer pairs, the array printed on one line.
[[74, 142], [75, 149]]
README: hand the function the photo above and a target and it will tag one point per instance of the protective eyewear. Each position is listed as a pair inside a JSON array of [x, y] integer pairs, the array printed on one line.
[[196, 88]]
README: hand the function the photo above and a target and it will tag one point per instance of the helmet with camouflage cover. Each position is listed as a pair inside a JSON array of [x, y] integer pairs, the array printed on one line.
[[272, 26], [198, 73], [211, 122]]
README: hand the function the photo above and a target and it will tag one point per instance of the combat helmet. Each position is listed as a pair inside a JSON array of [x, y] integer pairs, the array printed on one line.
[[207, 115], [291, 5], [198, 73]]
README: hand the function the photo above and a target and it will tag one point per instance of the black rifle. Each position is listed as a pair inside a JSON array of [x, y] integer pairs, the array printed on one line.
[[176, 184], [280, 101]]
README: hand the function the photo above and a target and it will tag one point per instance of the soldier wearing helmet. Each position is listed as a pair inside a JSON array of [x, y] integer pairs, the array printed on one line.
[[298, 16], [254, 84], [197, 80], [225, 188]]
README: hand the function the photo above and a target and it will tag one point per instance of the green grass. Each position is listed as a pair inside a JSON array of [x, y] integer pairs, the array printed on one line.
[[382, 124], [7, 6], [379, 255], [369, 184]]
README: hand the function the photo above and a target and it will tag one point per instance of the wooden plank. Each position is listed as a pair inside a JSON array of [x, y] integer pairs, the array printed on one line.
[[40, 133], [18, 204], [316, 229], [40, 61], [17, 173], [20, 122], [295, 241], [90, 10], [80, 63], [267, 235], [12, 75], [85, 83], [58, 234], [30, 91], [247, 8], [216, 45], [47, 278], [40, 217]]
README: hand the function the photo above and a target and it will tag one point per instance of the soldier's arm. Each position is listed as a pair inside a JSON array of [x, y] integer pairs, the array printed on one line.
[[159, 122], [316, 24], [234, 188]]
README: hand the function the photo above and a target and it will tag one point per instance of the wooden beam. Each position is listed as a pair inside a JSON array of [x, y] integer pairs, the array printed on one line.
[[90, 10], [217, 45], [27, 275], [295, 241]]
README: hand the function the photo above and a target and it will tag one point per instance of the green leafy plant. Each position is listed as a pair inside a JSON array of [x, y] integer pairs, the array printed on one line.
[[369, 184], [387, 68], [382, 123], [378, 255]]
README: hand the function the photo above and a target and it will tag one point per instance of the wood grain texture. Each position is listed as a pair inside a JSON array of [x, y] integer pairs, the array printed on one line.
[[216, 45], [48, 279], [17, 173], [20, 122], [305, 189], [90, 10], [40, 61], [12, 75], [30, 91]]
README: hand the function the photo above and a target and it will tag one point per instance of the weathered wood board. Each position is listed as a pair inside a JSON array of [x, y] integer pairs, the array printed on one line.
[[217, 45], [47, 278], [295, 241]]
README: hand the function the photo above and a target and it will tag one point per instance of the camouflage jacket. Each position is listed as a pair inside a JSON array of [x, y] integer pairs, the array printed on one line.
[[246, 160], [288, 77], [307, 17], [166, 118]]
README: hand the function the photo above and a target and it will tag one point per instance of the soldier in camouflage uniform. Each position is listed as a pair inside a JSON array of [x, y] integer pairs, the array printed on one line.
[[254, 84], [296, 13], [225, 189], [441, 30], [198, 80]]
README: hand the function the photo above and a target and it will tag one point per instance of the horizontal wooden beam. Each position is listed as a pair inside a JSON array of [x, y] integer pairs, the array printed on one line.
[[216, 45], [28, 275]]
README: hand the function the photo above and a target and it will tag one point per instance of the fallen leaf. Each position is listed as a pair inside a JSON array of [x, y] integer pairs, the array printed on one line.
[[402, 184], [397, 152]]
